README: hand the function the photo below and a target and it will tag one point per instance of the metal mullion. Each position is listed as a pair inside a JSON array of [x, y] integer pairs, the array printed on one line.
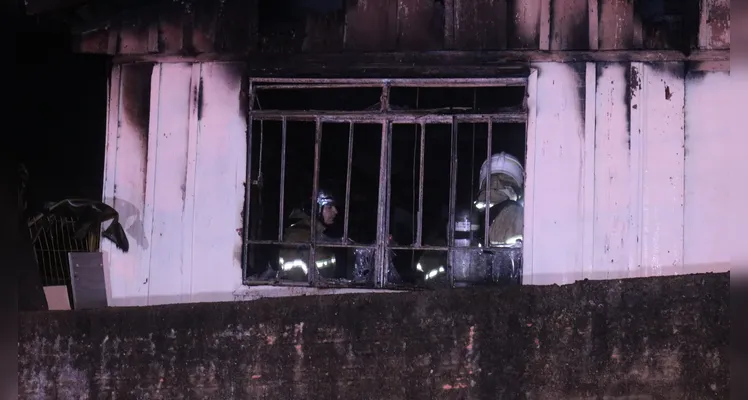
[[384, 98], [312, 86], [348, 183], [397, 117], [304, 244], [315, 191], [404, 82], [281, 200], [486, 202], [452, 195], [389, 196], [380, 265], [424, 248], [419, 228]]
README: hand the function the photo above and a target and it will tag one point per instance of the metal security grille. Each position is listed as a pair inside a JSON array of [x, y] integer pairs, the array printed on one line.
[[53, 238], [387, 116]]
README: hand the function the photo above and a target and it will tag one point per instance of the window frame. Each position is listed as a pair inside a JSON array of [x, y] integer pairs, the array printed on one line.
[[386, 117]]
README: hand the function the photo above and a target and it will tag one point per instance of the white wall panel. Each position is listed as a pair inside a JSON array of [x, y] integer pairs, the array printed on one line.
[[708, 178], [612, 241], [219, 183], [555, 176], [124, 186], [658, 136], [177, 181], [166, 189], [622, 164], [606, 190]]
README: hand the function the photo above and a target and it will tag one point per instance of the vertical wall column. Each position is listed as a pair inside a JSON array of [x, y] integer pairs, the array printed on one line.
[[710, 179], [175, 159], [124, 182], [555, 186], [657, 107]]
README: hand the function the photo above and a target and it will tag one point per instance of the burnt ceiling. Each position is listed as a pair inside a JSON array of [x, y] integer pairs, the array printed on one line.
[[396, 25]]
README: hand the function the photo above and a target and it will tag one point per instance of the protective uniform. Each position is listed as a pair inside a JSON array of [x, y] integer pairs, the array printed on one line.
[[501, 181], [293, 259], [500, 191]]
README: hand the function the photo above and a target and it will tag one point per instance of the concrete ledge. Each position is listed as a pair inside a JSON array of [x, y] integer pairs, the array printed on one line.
[[663, 338]]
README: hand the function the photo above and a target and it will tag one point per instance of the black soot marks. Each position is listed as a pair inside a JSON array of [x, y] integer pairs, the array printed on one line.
[[136, 99], [199, 98], [580, 69], [634, 84], [668, 93]]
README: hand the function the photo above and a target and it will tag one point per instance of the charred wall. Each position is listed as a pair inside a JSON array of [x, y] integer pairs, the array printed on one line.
[[194, 27], [662, 338]]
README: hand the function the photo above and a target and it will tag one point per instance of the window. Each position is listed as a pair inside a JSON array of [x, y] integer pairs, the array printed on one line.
[[384, 182]]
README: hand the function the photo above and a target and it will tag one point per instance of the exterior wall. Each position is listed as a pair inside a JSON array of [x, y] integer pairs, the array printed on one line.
[[175, 171], [621, 177], [623, 172], [653, 338]]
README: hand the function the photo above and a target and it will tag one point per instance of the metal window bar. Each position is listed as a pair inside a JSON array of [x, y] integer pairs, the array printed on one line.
[[348, 183], [382, 254], [315, 191], [472, 162], [317, 83], [386, 118], [419, 228], [282, 195], [506, 115], [384, 99], [452, 195], [487, 219], [303, 244]]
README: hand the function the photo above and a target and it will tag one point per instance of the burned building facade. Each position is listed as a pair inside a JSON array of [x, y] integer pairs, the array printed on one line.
[[224, 117]]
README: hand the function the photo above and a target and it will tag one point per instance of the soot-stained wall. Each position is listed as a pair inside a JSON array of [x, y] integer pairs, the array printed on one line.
[[663, 338], [193, 27]]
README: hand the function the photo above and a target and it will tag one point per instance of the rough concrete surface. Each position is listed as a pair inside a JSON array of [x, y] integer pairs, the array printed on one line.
[[650, 338]]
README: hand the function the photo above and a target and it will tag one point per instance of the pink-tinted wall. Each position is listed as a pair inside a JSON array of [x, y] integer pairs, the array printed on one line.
[[622, 180]]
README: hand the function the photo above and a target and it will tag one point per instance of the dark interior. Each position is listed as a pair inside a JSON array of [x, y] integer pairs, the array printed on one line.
[[365, 164], [61, 101]]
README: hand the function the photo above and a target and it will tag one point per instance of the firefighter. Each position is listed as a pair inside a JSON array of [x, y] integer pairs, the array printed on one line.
[[292, 260], [500, 194]]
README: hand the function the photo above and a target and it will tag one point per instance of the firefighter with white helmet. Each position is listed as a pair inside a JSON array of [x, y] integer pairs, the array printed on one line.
[[502, 178]]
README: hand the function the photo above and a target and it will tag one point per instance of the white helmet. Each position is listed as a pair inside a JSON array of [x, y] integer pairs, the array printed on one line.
[[503, 163]]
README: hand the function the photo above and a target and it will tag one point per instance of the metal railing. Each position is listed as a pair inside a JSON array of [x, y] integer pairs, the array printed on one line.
[[386, 117]]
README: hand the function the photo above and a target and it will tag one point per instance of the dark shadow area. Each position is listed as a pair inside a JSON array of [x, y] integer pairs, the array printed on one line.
[[63, 108], [58, 129], [669, 24]]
